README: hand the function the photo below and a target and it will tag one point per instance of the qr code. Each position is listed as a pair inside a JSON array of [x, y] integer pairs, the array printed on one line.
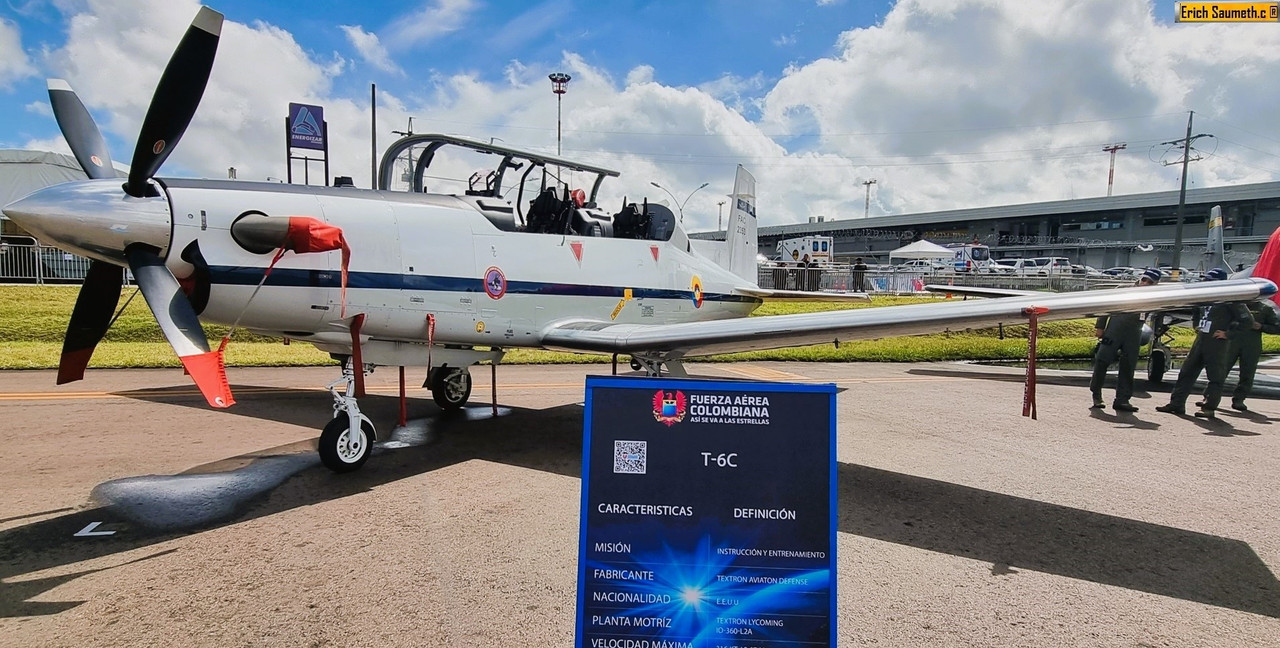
[[629, 456]]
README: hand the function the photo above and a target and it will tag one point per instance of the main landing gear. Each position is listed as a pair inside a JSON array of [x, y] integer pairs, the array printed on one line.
[[653, 367], [450, 387], [348, 439]]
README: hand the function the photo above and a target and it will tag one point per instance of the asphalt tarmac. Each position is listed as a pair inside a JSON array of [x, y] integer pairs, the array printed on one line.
[[134, 515]]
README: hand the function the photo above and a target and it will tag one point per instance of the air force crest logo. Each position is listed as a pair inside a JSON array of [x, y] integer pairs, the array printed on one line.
[[669, 407]]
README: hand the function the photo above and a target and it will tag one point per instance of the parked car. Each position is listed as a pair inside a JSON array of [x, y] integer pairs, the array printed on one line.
[[1085, 271], [1043, 266], [999, 267], [1122, 272], [931, 266]]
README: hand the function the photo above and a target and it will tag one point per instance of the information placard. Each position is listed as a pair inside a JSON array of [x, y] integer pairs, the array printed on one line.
[[708, 514]]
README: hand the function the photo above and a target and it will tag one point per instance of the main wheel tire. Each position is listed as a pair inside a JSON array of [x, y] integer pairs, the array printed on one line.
[[337, 451], [450, 388], [1157, 365]]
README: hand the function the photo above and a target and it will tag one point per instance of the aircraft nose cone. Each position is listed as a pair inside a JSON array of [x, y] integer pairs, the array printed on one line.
[[94, 218]]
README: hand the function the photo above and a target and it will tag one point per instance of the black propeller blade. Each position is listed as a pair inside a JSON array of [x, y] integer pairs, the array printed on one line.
[[175, 100], [80, 131], [95, 305], [179, 323], [164, 296]]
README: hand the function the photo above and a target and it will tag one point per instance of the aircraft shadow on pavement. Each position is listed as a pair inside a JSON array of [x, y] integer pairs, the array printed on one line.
[[1009, 532]]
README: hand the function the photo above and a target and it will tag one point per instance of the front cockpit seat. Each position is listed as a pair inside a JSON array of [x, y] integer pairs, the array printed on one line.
[[548, 213]]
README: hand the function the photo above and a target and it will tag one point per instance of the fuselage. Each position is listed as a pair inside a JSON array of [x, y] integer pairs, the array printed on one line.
[[412, 255]]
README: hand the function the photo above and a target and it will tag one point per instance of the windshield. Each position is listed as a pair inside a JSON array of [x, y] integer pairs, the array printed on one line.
[[980, 253]]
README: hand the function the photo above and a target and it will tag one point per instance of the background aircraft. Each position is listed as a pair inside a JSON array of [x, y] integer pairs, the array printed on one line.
[[442, 281]]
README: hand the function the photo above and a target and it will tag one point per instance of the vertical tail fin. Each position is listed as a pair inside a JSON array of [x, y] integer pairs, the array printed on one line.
[[1215, 250], [740, 239]]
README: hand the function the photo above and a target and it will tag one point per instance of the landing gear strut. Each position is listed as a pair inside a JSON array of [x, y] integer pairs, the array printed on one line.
[[347, 440], [1158, 360], [654, 368], [450, 387]]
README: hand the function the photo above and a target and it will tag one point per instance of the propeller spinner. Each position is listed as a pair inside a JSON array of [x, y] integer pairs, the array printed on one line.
[[131, 229]]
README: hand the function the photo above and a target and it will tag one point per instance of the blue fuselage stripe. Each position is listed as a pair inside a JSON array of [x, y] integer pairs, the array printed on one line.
[[248, 276]]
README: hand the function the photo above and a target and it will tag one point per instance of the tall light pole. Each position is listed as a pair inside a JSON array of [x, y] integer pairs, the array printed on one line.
[[1111, 173], [559, 81], [719, 215], [866, 207], [686, 198], [1185, 144]]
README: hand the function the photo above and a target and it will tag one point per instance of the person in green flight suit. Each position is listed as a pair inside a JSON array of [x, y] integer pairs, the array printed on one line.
[[1246, 348], [1214, 325], [1120, 338]]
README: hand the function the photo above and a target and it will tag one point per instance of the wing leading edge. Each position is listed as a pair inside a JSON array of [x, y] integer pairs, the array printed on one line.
[[777, 331]]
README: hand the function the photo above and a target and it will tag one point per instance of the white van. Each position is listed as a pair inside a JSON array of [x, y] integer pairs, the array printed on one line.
[[970, 257]]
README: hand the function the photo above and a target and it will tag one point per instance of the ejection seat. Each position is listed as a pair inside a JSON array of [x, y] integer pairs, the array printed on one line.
[[632, 222], [548, 213]]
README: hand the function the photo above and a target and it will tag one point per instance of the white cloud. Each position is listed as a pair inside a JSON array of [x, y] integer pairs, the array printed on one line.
[[435, 19], [370, 49], [947, 104], [14, 64], [39, 108], [640, 74], [923, 98]]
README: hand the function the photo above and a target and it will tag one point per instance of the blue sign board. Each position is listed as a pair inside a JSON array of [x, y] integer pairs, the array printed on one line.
[[708, 515], [306, 126]]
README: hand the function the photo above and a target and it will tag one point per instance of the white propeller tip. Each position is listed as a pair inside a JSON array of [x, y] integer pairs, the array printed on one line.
[[59, 84], [208, 20]]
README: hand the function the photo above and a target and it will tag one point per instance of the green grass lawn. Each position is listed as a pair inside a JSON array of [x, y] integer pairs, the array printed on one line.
[[34, 318]]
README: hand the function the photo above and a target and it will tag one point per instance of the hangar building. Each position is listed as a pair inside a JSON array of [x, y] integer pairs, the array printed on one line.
[[1129, 230]]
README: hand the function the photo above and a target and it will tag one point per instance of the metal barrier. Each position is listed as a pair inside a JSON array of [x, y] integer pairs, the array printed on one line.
[[22, 262], [842, 278]]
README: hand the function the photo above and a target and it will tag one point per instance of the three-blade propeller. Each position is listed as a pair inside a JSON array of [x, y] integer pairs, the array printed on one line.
[[176, 97]]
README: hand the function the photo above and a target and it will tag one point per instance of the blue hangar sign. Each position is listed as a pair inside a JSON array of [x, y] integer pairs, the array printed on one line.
[[708, 515], [306, 126]]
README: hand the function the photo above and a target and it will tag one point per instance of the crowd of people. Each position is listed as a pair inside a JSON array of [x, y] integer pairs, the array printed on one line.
[[1227, 335]]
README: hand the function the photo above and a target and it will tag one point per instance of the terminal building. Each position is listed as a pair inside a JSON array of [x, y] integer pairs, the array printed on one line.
[[1130, 230]]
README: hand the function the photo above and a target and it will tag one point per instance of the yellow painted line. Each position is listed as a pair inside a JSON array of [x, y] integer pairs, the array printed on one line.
[[763, 373]]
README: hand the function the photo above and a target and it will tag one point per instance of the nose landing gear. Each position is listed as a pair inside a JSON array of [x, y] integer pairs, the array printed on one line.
[[346, 442]]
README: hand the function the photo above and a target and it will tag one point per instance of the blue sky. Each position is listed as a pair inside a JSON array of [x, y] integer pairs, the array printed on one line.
[[946, 103]]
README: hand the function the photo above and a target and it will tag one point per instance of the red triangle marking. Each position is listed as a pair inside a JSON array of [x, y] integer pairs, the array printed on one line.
[[576, 246], [654, 250]]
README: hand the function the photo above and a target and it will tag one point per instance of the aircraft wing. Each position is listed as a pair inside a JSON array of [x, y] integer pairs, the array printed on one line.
[[976, 291], [769, 294], [776, 331]]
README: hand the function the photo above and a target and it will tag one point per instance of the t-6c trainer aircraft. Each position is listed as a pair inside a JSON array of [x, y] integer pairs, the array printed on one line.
[[435, 280]]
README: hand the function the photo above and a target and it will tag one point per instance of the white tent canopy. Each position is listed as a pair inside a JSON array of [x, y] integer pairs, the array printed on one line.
[[922, 250]]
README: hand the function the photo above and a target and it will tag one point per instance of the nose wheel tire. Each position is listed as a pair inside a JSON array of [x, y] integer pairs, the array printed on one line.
[[450, 388], [340, 452]]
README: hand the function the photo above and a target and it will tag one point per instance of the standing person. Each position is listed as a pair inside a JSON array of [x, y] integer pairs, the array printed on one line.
[[859, 275], [1214, 326], [1246, 347], [1119, 339], [806, 269]]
